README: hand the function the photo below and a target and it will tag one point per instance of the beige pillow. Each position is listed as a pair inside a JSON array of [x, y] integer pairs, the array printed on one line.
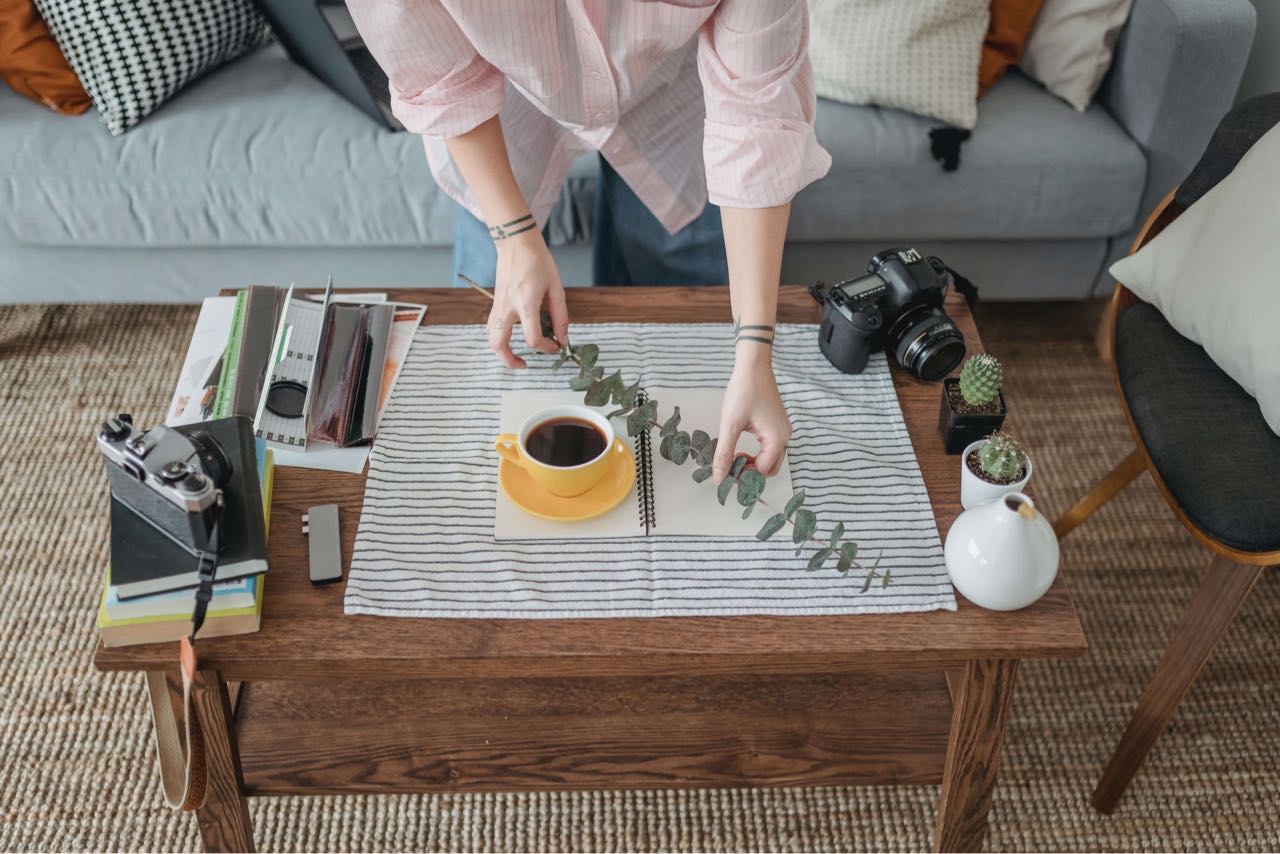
[[916, 55], [1071, 45], [1213, 274]]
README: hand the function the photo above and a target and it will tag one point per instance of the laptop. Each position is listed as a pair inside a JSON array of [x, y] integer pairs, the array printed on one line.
[[322, 39]]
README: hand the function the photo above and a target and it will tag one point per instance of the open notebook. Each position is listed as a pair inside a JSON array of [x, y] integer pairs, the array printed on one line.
[[665, 501]]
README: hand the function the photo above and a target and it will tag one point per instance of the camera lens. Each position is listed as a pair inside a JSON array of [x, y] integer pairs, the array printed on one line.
[[927, 343], [212, 458]]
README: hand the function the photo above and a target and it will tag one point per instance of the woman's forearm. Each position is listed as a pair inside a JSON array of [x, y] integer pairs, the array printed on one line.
[[753, 240], [481, 156]]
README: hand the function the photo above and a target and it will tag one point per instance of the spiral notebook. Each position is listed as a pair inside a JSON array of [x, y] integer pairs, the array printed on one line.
[[665, 500]]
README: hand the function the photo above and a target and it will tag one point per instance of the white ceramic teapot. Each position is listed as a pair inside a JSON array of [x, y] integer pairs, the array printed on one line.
[[1002, 555]]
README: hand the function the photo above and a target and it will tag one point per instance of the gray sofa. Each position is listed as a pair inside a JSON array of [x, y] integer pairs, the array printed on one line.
[[257, 173]]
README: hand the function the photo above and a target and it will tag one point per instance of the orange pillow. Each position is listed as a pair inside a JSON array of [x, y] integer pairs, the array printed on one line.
[[31, 62], [1007, 35]]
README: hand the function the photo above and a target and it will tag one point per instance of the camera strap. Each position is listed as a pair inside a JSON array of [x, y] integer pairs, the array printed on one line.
[[182, 773], [208, 571], [183, 777]]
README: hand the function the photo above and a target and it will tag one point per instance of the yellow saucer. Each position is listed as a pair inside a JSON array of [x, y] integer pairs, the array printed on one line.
[[597, 500]]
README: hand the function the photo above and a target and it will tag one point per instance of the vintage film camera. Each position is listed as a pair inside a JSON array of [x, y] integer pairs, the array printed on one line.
[[183, 500], [896, 306]]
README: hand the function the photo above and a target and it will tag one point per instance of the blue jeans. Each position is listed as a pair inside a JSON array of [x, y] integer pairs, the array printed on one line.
[[630, 245]]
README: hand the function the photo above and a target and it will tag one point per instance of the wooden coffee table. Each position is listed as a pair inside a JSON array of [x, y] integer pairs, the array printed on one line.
[[320, 702]]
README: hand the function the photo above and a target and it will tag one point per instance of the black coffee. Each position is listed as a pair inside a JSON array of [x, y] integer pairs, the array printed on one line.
[[565, 442]]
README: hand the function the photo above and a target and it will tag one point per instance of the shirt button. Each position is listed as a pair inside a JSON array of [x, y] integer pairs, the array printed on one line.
[[596, 75], [601, 115]]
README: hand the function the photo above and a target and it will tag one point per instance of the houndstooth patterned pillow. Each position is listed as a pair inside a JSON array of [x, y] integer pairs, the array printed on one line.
[[133, 55], [916, 55]]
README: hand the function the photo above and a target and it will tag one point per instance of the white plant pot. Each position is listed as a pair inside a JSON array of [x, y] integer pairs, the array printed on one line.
[[975, 491], [1002, 555]]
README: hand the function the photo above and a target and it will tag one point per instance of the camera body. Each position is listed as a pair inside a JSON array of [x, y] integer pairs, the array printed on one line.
[[172, 485], [896, 306], [171, 477]]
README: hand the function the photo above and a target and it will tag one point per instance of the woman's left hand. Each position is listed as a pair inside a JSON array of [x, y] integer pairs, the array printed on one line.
[[752, 404]]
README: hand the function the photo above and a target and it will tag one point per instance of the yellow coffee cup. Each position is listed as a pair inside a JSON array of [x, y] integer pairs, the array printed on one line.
[[565, 481]]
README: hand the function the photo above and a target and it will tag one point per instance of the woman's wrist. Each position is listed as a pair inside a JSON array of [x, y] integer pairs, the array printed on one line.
[[522, 242]]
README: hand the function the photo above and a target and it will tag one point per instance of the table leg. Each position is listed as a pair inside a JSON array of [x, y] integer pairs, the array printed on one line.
[[224, 817], [981, 703]]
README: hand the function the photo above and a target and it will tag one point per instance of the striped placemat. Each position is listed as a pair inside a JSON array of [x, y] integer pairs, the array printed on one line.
[[425, 545]]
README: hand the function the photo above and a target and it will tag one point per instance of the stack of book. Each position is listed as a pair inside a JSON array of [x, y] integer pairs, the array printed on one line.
[[165, 615]]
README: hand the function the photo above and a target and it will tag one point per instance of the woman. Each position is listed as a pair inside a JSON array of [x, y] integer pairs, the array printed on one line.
[[507, 95]]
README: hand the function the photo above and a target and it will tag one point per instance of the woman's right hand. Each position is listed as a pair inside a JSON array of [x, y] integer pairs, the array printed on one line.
[[527, 279]]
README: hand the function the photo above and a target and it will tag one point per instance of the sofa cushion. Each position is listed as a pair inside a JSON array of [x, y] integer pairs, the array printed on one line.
[[1034, 169], [257, 153]]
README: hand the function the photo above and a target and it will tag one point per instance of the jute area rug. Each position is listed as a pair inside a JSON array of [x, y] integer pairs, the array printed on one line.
[[77, 771]]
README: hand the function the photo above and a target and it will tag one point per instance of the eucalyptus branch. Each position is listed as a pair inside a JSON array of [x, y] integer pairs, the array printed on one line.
[[679, 446]]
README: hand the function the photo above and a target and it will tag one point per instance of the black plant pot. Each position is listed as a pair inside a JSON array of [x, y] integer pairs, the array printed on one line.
[[960, 429]]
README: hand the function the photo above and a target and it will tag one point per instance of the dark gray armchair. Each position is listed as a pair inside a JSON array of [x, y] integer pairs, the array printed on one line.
[[1220, 475]]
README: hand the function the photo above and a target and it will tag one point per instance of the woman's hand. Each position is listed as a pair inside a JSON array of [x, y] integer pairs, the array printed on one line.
[[527, 279], [752, 404]]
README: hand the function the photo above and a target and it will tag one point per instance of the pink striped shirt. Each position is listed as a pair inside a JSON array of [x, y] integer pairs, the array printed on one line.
[[627, 78]]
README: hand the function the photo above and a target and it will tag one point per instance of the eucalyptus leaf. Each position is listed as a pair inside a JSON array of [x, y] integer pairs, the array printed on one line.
[[722, 491], [597, 393], [747, 512], [836, 533], [750, 485], [848, 552], [560, 362], [618, 413], [597, 372], [637, 422], [866, 585], [884, 579], [701, 474], [794, 504], [671, 424], [629, 395], [739, 463], [771, 526], [804, 524], [819, 559], [548, 330], [580, 383], [680, 444], [587, 355], [708, 454], [699, 440], [664, 448]]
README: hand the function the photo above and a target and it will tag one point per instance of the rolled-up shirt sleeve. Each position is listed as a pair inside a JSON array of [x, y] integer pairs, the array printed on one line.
[[440, 86], [759, 144]]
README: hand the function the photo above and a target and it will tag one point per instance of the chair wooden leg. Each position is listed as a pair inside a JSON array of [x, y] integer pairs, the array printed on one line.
[[1224, 586], [1119, 477]]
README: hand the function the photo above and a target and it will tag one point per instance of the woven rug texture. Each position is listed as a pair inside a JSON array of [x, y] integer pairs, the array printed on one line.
[[77, 770]]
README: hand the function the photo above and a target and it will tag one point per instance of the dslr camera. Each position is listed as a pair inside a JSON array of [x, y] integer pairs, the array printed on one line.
[[897, 306], [171, 487]]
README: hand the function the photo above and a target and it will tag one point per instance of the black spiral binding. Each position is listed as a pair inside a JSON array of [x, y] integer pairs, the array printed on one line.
[[644, 475]]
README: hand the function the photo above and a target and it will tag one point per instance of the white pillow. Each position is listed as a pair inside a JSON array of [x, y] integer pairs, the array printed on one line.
[[1070, 46], [1214, 273], [917, 55]]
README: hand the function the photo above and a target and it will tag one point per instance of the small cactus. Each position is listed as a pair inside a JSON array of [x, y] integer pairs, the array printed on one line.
[[980, 379], [1001, 457]]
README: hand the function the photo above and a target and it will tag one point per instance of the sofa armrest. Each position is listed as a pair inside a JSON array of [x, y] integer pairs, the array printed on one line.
[[1176, 70]]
